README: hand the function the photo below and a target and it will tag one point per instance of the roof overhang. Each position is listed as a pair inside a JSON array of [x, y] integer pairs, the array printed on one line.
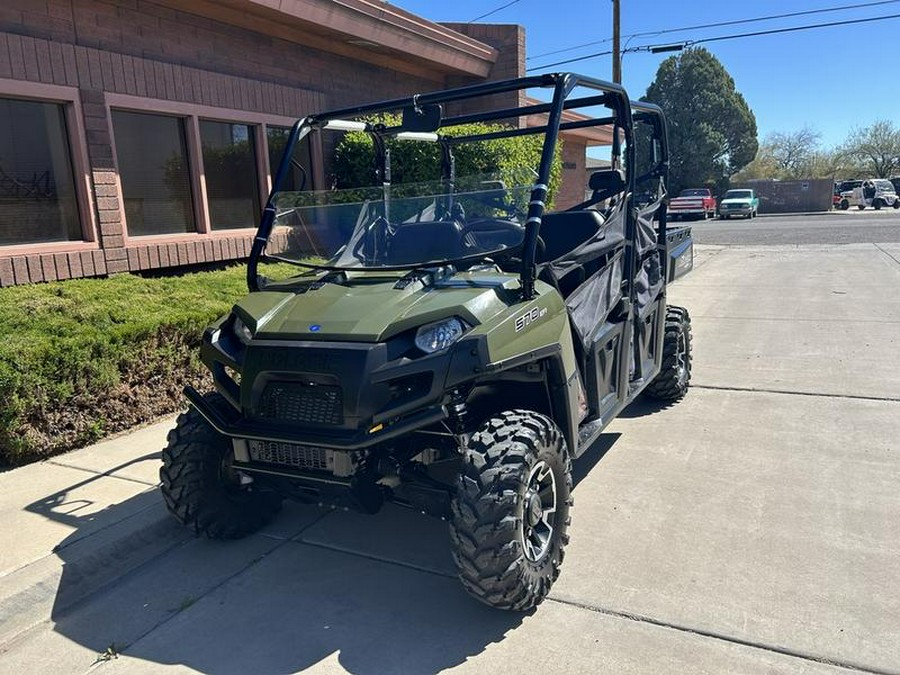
[[368, 30], [590, 136]]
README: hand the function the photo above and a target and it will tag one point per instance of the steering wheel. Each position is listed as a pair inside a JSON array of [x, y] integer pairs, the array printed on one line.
[[490, 226], [500, 226]]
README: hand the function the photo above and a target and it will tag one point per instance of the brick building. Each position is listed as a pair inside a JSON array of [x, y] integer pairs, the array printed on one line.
[[141, 134]]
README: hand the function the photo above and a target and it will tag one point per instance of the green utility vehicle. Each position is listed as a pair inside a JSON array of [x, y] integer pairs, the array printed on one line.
[[448, 345]]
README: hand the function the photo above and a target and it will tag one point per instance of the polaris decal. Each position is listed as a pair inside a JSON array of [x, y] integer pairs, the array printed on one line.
[[522, 322]]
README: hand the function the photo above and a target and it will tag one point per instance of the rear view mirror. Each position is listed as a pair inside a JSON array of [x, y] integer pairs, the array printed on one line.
[[422, 118], [610, 181]]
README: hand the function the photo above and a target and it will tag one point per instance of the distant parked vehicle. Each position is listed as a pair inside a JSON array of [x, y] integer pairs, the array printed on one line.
[[836, 196], [877, 193], [693, 203], [845, 190], [739, 203]]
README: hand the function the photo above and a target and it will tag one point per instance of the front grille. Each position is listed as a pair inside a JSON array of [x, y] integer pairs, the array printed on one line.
[[306, 403], [288, 454]]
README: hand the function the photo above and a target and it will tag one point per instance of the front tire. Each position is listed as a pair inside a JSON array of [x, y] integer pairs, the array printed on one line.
[[511, 510], [202, 490], [674, 378]]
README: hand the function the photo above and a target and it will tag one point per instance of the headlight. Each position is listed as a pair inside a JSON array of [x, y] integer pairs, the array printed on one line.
[[439, 335], [241, 331]]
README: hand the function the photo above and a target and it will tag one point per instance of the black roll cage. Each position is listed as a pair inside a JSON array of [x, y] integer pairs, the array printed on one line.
[[612, 95]]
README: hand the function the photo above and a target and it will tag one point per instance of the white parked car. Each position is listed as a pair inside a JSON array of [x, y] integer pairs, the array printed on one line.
[[877, 193]]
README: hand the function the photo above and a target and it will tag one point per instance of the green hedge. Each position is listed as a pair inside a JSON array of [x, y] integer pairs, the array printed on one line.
[[84, 358], [514, 160]]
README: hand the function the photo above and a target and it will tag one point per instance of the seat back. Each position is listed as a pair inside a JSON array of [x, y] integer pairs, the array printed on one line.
[[420, 242], [564, 231]]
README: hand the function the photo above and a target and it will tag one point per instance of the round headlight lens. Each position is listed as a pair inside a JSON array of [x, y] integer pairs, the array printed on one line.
[[439, 335], [241, 331]]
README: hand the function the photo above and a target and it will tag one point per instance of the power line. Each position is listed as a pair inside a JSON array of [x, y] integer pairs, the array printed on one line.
[[508, 4], [720, 24], [719, 38], [775, 31]]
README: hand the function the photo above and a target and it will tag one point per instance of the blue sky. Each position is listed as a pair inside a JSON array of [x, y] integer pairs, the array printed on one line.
[[831, 79]]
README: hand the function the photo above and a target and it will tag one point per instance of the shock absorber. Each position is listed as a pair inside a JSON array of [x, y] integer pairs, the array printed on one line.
[[457, 418]]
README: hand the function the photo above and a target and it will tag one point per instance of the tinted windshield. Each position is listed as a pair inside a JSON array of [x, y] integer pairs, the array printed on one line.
[[739, 194], [406, 225], [885, 185]]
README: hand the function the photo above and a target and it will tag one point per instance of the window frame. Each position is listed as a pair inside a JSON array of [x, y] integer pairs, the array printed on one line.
[[192, 114], [68, 98]]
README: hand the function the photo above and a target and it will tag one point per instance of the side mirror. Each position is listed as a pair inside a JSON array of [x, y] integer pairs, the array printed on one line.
[[423, 118], [609, 181]]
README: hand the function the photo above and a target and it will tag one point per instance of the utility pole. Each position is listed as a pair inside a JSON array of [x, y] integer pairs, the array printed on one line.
[[616, 52]]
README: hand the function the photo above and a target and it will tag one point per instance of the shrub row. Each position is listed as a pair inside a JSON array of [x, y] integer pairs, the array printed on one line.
[[84, 358]]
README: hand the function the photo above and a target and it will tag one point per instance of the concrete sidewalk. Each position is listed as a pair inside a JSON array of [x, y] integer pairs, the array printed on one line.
[[751, 528]]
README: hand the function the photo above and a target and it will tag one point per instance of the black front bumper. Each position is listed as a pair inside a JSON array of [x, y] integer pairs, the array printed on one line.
[[229, 422]]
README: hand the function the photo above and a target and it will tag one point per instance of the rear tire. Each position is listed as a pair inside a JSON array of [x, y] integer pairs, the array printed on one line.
[[511, 510], [844, 205], [200, 488], [861, 207], [674, 378], [878, 204]]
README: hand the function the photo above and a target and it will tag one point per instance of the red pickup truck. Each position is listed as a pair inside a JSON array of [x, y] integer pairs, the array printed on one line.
[[693, 203]]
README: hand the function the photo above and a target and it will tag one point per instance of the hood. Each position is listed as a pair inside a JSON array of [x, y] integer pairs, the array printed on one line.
[[743, 201], [373, 309]]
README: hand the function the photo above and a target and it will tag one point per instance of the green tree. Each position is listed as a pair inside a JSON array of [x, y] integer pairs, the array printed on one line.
[[514, 160], [712, 131], [876, 148], [794, 152], [793, 155]]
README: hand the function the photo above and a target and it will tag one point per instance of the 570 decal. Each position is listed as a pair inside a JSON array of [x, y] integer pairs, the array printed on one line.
[[526, 319]]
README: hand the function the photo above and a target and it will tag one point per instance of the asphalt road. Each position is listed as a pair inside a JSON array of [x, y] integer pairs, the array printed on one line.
[[835, 227]]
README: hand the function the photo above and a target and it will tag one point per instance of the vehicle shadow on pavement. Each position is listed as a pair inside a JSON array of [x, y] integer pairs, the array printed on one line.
[[135, 583], [643, 406], [582, 466]]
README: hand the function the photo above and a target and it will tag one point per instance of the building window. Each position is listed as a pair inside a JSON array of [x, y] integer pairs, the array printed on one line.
[[152, 155], [300, 177], [229, 166], [37, 184]]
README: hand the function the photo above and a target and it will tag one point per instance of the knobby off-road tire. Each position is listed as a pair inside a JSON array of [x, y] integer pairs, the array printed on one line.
[[511, 510], [200, 488], [674, 376]]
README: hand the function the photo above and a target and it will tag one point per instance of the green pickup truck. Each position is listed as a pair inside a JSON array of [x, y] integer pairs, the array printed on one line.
[[739, 203]]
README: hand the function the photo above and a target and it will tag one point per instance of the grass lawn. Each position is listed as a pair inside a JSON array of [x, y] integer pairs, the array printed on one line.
[[84, 358]]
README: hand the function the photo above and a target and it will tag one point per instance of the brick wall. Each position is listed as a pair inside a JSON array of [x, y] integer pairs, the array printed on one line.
[[149, 50], [574, 174], [510, 64]]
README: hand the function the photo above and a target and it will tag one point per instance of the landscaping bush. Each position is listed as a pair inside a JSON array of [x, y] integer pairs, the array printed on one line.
[[511, 159], [84, 358]]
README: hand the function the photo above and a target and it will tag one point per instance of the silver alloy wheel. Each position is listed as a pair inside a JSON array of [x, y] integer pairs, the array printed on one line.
[[681, 359], [538, 512]]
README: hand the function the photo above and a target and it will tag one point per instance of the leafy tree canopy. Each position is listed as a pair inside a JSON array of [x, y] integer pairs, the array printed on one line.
[[876, 149], [712, 131]]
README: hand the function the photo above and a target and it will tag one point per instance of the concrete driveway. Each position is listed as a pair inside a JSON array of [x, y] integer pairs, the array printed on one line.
[[752, 528]]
